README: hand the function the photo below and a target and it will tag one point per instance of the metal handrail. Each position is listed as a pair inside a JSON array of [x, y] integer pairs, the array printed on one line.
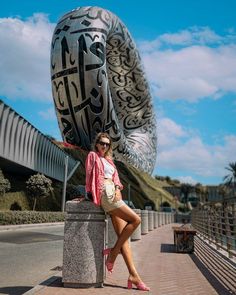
[[216, 222]]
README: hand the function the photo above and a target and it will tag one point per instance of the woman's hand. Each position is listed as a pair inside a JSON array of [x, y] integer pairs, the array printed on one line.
[[118, 195], [78, 199]]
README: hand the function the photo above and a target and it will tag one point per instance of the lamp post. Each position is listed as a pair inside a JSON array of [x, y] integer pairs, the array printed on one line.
[[66, 178], [129, 194]]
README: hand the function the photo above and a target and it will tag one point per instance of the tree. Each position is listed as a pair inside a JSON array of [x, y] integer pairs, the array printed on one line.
[[186, 189], [224, 191], [167, 179], [205, 193], [38, 186], [230, 179], [200, 191], [5, 185]]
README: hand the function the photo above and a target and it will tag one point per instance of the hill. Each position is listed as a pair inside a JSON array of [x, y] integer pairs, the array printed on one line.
[[144, 189]]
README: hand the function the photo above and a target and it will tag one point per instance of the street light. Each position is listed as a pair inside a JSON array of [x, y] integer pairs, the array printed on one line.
[[66, 178]]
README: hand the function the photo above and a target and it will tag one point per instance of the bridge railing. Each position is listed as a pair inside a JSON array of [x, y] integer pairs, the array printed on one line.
[[216, 222]]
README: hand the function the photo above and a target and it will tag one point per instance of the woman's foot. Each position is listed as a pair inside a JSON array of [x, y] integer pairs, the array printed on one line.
[[106, 251], [109, 264], [135, 280]]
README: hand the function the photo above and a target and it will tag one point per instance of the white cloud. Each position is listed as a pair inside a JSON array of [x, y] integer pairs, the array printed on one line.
[[169, 133], [188, 37], [195, 35], [181, 150], [48, 114], [194, 71], [24, 57]]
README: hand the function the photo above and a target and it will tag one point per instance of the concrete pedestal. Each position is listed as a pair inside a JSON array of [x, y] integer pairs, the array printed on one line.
[[162, 218], [150, 220], [155, 221], [144, 222], [159, 218], [137, 233], [84, 240], [166, 218]]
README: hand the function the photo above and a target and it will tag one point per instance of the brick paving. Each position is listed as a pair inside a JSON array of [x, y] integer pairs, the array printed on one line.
[[163, 270]]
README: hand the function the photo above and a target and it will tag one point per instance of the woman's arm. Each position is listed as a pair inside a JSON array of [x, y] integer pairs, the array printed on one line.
[[116, 180]]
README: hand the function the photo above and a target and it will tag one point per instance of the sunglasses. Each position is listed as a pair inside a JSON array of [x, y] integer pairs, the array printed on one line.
[[104, 143]]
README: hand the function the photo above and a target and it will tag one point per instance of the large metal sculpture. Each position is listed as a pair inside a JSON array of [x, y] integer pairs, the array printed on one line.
[[98, 85]]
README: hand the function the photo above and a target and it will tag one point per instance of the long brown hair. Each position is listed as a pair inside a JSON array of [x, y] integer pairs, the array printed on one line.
[[100, 135]]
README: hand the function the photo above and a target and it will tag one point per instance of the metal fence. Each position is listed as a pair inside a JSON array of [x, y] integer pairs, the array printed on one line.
[[216, 222]]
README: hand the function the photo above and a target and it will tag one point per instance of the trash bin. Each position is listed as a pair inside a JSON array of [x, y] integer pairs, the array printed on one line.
[[184, 239], [84, 240]]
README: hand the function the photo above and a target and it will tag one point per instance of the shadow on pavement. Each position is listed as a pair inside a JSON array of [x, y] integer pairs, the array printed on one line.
[[56, 281], [168, 248], [14, 290], [114, 286], [216, 284]]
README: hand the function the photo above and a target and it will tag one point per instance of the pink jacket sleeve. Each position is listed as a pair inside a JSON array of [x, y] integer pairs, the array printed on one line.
[[89, 165]]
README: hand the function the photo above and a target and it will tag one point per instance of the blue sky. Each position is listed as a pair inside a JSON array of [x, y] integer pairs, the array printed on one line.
[[188, 50]]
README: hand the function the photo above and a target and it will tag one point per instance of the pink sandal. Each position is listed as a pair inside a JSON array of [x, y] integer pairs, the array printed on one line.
[[106, 251], [108, 264], [140, 286]]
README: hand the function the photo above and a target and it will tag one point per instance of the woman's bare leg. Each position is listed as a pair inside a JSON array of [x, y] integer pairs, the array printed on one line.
[[132, 221], [126, 252]]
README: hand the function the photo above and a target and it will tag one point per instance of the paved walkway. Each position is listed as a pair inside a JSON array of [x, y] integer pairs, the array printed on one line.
[[166, 272]]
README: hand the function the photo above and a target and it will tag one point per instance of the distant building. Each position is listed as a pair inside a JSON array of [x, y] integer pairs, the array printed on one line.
[[213, 193]]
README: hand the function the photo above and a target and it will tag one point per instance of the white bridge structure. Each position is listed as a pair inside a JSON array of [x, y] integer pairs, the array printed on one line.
[[24, 149]]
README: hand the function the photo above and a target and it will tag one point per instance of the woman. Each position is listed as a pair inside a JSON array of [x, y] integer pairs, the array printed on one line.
[[102, 181]]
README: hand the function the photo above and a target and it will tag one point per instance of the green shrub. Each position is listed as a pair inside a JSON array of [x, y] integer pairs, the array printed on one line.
[[5, 185], [7, 203], [28, 217]]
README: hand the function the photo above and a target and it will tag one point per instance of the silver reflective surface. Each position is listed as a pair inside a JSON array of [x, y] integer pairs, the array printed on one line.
[[98, 84]]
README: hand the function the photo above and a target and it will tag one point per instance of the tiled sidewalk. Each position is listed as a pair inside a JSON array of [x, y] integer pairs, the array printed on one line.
[[166, 272]]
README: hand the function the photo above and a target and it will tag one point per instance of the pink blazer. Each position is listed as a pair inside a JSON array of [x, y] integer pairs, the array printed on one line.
[[95, 176]]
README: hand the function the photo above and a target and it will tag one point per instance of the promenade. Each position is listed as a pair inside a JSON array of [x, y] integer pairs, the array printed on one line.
[[163, 270]]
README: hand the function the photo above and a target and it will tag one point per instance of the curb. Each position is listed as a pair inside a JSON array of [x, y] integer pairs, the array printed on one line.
[[21, 226], [43, 284]]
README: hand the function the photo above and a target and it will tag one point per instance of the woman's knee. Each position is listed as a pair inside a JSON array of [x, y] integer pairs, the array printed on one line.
[[137, 221]]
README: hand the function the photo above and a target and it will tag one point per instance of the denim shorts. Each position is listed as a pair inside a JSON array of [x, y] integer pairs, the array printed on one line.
[[108, 195]]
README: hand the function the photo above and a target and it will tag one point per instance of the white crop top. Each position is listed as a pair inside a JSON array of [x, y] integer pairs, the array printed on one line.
[[108, 168]]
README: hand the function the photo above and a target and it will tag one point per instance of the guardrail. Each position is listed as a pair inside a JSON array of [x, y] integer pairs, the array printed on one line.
[[216, 222]]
